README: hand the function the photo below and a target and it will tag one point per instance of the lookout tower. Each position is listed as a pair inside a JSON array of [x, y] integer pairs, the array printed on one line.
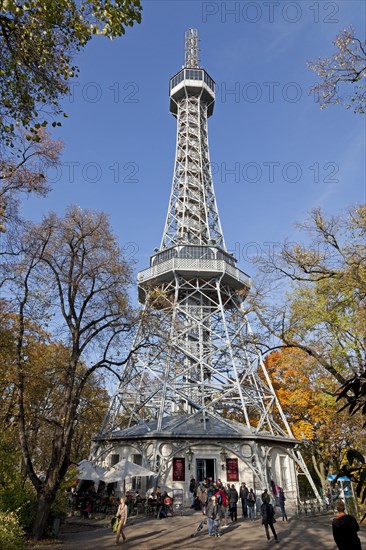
[[195, 397]]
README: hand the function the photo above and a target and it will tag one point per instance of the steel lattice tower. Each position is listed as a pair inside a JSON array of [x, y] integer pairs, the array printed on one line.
[[195, 369]]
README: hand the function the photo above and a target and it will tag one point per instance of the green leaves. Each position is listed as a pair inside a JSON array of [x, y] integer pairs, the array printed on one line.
[[38, 42]]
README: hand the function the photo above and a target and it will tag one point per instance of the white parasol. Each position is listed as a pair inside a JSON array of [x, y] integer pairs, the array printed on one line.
[[125, 468], [87, 470]]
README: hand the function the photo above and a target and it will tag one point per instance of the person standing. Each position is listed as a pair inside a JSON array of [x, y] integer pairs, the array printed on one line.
[[345, 529], [197, 502], [192, 486], [122, 514], [275, 491], [267, 512], [243, 493], [233, 500], [202, 495], [251, 504], [159, 501], [281, 502], [210, 490]]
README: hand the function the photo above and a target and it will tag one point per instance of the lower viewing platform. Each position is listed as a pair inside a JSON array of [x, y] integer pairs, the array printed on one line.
[[190, 267]]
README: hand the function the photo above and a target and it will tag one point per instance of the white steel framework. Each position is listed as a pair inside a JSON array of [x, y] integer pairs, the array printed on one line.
[[195, 354]]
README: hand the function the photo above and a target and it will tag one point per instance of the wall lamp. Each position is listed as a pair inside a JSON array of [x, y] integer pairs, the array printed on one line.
[[223, 455], [190, 455]]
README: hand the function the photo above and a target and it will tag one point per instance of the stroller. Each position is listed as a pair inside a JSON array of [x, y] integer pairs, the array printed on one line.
[[200, 526]]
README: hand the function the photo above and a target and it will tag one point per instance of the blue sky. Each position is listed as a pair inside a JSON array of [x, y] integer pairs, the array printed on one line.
[[275, 154]]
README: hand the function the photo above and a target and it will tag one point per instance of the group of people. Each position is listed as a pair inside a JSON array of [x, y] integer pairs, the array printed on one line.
[[135, 502], [161, 502], [86, 500], [218, 502]]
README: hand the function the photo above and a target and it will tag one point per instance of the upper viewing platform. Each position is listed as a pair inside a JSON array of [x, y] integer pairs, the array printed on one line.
[[192, 74], [192, 80]]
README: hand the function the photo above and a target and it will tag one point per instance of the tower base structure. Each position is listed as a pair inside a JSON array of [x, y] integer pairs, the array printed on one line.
[[225, 451]]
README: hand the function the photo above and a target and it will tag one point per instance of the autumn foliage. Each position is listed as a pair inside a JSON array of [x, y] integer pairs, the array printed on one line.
[[308, 395]]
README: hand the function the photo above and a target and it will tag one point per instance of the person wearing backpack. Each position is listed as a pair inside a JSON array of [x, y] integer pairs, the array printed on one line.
[[222, 500], [268, 519], [251, 505]]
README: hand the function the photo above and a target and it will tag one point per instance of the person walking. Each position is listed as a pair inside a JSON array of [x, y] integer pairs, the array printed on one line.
[[267, 512], [281, 502], [251, 505], [213, 517], [122, 514], [222, 499], [243, 493], [345, 529], [233, 500]]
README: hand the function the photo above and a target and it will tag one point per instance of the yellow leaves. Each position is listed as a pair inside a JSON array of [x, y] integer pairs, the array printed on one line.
[[303, 430], [340, 73], [298, 391]]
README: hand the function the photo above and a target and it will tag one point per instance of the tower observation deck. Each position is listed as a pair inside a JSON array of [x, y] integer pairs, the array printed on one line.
[[193, 242], [194, 371]]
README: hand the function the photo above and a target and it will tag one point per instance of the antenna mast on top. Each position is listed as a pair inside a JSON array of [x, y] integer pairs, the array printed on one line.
[[191, 56]]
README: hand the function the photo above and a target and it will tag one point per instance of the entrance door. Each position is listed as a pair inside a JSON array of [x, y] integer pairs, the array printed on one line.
[[205, 468]]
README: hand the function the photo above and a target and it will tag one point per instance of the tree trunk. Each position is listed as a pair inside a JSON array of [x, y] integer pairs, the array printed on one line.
[[319, 468], [45, 502]]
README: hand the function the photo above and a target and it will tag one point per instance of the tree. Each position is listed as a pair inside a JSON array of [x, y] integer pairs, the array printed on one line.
[[38, 42], [354, 467], [46, 363], [306, 392], [322, 312], [343, 74], [72, 278], [23, 171]]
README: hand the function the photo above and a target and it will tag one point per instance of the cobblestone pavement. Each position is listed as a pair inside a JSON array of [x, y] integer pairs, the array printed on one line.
[[309, 533]]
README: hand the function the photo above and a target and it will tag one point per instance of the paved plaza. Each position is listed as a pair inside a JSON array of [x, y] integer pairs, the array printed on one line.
[[308, 533]]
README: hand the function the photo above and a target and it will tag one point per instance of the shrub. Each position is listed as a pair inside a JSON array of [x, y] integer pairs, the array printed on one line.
[[11, 532]]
